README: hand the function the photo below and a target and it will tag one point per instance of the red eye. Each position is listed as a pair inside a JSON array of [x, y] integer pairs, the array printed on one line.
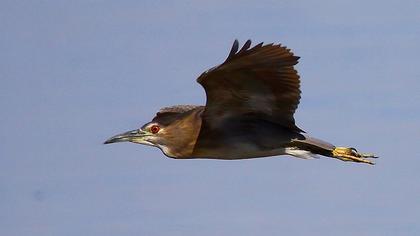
[[154, 129]]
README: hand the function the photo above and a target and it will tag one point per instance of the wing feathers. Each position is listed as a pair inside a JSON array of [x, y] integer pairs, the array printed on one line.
[[233, 50], [246, 46], [260, 80]]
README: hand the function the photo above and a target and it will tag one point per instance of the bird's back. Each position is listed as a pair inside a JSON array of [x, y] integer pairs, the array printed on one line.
[[242, 138]]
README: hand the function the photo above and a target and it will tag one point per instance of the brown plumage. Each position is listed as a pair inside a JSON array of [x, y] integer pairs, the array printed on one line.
[[260, 81], [251, 99]]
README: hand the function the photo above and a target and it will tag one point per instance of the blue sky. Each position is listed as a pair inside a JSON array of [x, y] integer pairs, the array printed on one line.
[[74, 73]]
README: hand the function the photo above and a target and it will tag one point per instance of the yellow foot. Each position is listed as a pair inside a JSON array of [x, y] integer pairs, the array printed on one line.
[[351, 154]]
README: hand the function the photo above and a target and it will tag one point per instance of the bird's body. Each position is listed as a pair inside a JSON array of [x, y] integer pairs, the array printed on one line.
[[251, 99], [251, 139]]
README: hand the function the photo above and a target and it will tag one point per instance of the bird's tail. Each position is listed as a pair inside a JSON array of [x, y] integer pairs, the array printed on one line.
[[317, 146]]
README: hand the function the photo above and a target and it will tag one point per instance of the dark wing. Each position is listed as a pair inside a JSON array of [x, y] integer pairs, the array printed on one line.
[[258, 82]]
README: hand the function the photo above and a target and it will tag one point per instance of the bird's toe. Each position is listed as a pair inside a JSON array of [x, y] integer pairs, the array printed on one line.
[[351, 154]]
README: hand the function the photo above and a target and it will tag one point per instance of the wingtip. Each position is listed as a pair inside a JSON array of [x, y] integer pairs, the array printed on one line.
[[235, 46], [233, 50], [246, 46]]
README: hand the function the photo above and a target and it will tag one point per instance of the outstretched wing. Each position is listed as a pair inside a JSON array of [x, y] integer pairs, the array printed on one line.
[[258, 82]]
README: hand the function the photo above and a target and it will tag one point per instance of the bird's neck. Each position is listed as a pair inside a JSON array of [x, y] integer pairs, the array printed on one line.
[[182, 139]]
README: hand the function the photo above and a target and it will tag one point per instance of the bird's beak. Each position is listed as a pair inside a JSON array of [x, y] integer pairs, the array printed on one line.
[[133, 135]]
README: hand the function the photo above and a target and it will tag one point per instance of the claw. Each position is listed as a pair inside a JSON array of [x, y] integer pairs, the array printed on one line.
[[351, 154]]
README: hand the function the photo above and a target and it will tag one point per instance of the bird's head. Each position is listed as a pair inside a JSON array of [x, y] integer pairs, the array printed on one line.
[[174, 133], [149, 134]]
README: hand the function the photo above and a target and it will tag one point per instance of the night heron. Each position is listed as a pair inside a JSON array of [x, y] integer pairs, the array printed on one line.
[[251, 99]]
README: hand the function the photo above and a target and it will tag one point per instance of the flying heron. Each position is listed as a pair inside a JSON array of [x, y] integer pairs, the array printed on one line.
[[251, 99]]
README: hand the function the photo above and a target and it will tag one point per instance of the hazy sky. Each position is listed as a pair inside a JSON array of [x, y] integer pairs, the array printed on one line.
[[74, 73]]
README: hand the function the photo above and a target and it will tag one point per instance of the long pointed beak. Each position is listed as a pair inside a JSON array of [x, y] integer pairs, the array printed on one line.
[[126, 137]]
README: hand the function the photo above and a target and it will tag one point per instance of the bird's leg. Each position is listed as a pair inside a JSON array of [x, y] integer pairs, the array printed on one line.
[[351, 154]]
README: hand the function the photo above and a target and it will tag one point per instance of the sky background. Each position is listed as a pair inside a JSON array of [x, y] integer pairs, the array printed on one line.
[[74, 73]]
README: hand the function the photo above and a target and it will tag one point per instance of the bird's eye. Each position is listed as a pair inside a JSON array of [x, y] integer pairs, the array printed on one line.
[[155, 129]]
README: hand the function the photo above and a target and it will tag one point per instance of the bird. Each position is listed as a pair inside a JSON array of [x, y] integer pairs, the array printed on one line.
[[251, 99]]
